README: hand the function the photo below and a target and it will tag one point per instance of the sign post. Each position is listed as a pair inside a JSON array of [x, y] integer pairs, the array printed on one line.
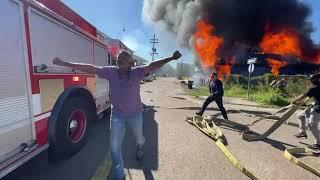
[[250, 70]]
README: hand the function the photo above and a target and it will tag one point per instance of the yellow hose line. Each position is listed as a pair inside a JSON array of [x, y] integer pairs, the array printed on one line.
[[275, 126], [292, 109], [288, 154], [216, 133]]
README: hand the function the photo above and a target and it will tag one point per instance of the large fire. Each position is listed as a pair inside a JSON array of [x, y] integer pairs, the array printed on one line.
[[285, 42], [276, 65], [206, 44], [224, 71]]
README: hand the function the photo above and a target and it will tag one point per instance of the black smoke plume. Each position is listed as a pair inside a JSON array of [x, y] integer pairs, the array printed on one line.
[[242, 23]]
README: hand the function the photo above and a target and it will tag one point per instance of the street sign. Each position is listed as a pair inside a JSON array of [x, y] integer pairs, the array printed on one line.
[[252, 60], [251, 68]]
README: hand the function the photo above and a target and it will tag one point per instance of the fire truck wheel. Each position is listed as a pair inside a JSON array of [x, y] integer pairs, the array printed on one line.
[[71, 128]]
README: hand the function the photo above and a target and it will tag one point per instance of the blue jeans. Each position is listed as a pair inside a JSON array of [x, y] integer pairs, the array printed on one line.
[[312, 117], [118, 128]]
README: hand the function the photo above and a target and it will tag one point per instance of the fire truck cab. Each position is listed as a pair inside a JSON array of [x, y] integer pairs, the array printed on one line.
[[43, 105]]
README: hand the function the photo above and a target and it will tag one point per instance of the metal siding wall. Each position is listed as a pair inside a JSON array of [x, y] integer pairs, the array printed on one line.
[[15, 118], [14, 104]]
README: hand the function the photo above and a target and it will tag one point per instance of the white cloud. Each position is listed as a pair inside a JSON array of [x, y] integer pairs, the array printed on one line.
[[138, 41], [130, 42]]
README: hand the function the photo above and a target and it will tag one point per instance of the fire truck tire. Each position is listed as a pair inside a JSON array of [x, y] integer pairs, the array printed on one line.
[[71, 128]]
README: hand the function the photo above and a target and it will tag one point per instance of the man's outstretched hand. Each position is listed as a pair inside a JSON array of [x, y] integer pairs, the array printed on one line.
[[176, 55]]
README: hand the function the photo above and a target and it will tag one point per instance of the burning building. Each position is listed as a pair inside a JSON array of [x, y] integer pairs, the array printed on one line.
[[225, 33]]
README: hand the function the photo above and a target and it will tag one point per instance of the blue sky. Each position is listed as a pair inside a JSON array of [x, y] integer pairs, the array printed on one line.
[[114, 16]]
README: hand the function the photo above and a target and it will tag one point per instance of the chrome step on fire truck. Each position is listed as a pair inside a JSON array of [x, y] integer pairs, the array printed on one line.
[[42, 105]]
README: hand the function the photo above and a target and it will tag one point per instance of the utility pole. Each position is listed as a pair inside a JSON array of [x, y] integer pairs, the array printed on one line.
[[181, 66], [153, 42]]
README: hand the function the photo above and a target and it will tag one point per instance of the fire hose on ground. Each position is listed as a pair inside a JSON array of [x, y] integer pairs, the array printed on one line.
[[289, 154], [216, 134], [254, 137]]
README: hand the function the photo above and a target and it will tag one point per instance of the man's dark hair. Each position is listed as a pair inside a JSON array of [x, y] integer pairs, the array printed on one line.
[[122, 51], [213, 74]]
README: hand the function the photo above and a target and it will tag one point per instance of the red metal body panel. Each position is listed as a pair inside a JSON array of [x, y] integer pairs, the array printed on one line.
[[42, 131], [68, 80], [64, 11]]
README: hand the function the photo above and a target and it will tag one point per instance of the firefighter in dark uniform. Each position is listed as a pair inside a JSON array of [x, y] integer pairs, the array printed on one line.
[[216, 94]]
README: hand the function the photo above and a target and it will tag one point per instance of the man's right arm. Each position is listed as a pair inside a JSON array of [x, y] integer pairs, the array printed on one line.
[[88, 68]]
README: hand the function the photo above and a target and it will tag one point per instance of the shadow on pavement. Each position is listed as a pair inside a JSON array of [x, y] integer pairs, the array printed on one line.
[[150, 161], [256, 113], [278, 144], [81, 166], [175, 97]]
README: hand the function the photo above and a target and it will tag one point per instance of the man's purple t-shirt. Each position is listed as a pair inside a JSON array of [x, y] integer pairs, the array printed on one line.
[[125, 93]]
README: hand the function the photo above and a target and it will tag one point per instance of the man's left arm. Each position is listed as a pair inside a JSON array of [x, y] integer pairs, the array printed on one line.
[[158, 64]]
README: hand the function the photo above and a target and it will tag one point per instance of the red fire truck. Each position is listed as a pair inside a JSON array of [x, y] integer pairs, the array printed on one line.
[[43, 105]]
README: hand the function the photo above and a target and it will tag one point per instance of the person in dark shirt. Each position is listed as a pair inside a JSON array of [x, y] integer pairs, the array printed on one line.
[[311, 114], [216, 94]]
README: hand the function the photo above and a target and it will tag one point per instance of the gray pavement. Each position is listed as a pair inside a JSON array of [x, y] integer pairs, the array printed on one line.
[[176, 150], [81, 166], [185, 153]]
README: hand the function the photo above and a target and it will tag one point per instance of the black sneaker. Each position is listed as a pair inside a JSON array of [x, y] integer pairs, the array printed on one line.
[[139, 153], [198, 113], [301, 135], [314, 146]]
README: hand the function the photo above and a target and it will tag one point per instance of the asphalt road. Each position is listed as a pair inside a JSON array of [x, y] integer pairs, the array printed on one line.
[[79, 167], [176, 150]]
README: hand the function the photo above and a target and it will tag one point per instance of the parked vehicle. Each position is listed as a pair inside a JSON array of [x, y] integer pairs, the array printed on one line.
[[42, 105]]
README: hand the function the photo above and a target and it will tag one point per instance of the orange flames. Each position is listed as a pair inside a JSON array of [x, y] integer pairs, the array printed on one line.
[[276, 65], [285, 42], [206, 44], [223, 71]]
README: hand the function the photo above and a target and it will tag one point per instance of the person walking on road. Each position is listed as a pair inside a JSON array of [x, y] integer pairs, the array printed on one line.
[[216, 94], [124, 81], [312, 114]]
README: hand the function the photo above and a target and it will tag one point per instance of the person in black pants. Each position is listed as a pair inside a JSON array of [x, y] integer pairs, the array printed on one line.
[[216, 94]]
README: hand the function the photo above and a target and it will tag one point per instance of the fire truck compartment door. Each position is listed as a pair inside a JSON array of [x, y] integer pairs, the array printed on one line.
[[102, 85], [15, 111], [50, 39]]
